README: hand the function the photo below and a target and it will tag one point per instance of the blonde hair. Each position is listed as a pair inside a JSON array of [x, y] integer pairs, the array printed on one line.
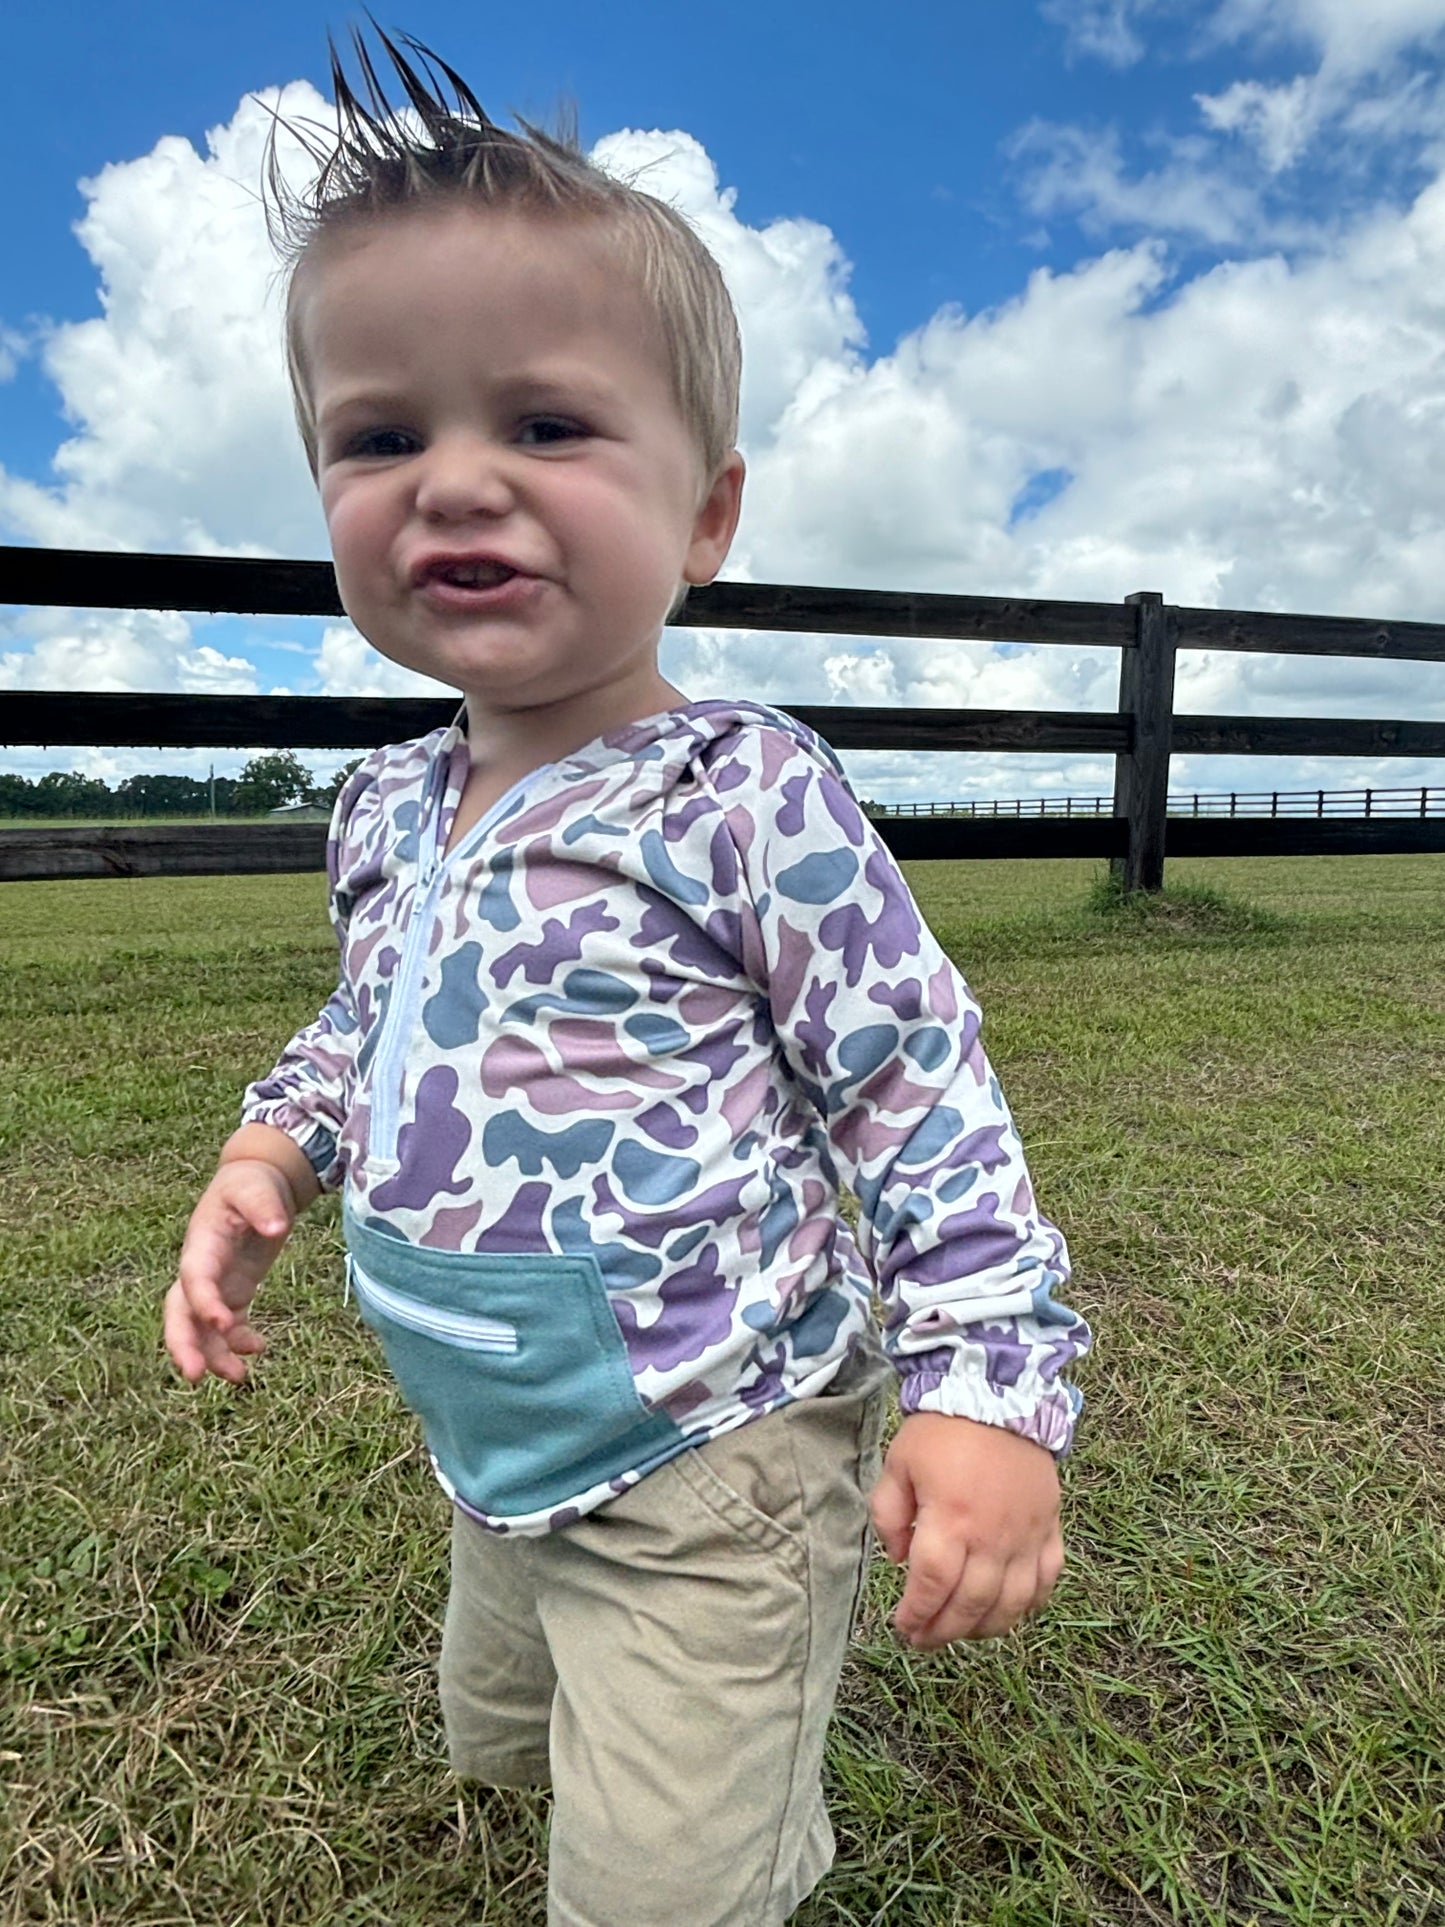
[[382, 159]]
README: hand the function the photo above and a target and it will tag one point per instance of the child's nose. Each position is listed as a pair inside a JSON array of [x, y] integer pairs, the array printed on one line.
[[464, 476]]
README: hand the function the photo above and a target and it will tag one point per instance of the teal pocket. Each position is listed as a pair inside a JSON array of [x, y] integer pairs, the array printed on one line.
[[515, 1366]]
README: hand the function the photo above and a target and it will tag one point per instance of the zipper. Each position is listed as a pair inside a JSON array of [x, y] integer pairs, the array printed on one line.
[[464, 1329], [403, 1009]]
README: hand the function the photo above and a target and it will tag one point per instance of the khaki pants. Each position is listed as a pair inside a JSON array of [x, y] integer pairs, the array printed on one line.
[[668, 1664]]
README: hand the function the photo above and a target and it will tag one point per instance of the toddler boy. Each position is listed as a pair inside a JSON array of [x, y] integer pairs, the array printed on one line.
[[628, 987]]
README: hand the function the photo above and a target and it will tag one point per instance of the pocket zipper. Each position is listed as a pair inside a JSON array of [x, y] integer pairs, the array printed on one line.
[[463, 1329]]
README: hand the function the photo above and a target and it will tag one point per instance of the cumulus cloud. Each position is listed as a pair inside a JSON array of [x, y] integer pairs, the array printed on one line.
[[347, 665], [106, 652], [789, 280], [183, 436]]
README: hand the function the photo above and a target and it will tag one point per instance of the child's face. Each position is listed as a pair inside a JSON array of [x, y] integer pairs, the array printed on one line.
[[512, 496]]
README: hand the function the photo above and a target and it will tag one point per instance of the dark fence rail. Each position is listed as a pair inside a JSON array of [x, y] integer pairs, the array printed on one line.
[[34, 718], [1423, 799], [1141, 735]]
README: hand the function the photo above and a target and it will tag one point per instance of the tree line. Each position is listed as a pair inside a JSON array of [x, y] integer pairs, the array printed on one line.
[[267, 782]]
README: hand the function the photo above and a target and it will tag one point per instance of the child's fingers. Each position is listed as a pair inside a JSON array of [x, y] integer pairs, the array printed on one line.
[[226, 1228], [197, 1348], [182, 1340], [938, 1570], [204, 1259], [892, 1506], [991, 1598], [190, 1343]]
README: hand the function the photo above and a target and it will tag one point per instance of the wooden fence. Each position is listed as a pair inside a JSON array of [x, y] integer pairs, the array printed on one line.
[[1420, 799], [1141, 735]]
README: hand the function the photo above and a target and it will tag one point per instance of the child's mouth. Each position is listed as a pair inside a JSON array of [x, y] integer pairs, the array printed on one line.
[[466, 583], [471, 575]]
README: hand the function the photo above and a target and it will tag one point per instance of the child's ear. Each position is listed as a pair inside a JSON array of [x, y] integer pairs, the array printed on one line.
[[716, 524]]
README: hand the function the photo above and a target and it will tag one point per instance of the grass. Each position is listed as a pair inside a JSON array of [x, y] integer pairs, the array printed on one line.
[[219, 1611]]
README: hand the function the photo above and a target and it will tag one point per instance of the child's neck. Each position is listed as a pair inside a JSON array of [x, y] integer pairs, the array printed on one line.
[[506, 746]]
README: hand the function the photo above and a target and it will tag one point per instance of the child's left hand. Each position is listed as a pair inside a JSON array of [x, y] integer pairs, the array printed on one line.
[[973, 1511]]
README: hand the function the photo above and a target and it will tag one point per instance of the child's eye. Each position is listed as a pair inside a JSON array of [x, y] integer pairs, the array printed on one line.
[[380, 444], [541, 431]]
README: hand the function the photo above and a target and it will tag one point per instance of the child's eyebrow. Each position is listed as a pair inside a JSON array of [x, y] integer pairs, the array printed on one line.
[[548, 389], [363, 399]]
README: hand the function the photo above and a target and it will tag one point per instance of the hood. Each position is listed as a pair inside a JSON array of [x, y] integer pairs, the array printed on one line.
[[668, 746]]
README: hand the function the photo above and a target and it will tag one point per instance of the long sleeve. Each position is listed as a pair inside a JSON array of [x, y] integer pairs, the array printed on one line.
[[307, 1093], [883, 1037]]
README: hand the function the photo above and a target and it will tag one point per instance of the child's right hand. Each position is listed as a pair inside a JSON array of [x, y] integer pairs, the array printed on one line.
[[242, 1220]]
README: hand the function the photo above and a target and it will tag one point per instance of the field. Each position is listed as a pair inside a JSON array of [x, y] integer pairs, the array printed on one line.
[[219, 1611]]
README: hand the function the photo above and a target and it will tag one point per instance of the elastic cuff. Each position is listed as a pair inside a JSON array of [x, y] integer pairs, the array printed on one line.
[[1048, 1421]]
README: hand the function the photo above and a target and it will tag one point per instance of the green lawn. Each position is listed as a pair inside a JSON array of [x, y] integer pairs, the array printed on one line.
[[219, 1611]]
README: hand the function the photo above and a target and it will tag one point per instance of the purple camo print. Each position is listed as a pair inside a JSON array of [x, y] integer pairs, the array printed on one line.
[[665, 1004]]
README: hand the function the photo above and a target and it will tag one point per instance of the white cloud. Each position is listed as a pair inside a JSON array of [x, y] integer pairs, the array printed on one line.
[[1100, 29], [788, 280], [1350, 36], [183, 436], [1354, 36], [1082, 172], [1365, 116], [104, 652], [347, 665], [1357, 86], [1281, 121]]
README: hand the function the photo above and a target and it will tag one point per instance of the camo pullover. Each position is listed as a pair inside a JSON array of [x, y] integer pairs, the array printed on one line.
[[591, 1083]]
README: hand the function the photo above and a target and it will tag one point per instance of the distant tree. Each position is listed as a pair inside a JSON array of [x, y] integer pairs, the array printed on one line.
[[17, 796], [327, 793], [270, 782], [163, 796], [67, 793]]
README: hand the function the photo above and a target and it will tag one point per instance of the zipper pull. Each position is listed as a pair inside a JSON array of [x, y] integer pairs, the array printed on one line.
[[424, 881]]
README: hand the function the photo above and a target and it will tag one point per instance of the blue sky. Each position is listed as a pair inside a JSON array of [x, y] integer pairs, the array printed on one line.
[[1054, 297]]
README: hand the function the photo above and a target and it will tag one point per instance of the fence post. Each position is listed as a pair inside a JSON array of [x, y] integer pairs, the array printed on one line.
[[1141, 774]]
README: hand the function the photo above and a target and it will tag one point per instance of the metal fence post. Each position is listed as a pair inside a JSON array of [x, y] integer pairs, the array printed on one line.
[[1141, 774]]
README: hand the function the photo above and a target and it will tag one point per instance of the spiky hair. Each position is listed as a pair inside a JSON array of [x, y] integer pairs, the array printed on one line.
[[439, 145]]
